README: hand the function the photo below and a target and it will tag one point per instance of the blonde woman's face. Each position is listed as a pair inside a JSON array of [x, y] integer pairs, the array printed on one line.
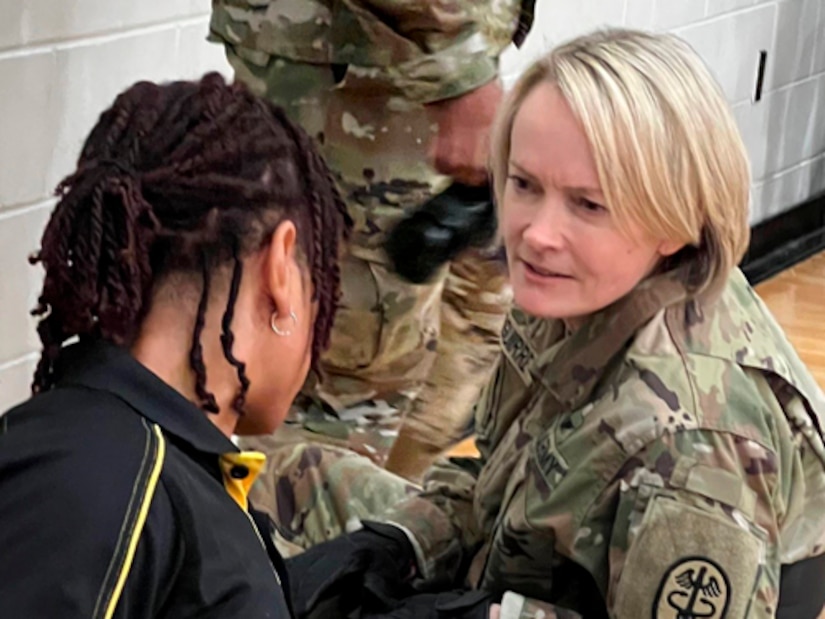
[[566, 255]]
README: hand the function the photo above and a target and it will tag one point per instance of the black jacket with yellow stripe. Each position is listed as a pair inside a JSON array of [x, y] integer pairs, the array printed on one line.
[[119, 498]]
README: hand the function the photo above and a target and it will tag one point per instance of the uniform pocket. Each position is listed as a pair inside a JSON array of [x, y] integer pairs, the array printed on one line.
[[386, 329], [356, 335]]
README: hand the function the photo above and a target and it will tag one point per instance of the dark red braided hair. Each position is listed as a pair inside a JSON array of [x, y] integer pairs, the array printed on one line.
[[185, 177]]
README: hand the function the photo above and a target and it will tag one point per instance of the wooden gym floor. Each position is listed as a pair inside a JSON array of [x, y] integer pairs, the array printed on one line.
[[797, 299]]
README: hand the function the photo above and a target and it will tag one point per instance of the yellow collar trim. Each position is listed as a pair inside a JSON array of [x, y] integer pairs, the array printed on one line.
[[240, 470]]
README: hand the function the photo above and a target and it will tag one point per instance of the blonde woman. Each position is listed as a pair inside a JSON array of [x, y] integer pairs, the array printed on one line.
[[651, 445]]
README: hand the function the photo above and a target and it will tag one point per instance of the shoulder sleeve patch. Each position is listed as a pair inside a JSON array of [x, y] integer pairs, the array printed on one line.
[[686, 563], [693, 587]]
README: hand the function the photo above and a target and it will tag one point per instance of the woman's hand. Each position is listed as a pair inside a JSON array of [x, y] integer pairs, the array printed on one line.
[[495, 611]]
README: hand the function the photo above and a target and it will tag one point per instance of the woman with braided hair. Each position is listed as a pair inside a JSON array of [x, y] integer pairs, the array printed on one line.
[[193, 250]]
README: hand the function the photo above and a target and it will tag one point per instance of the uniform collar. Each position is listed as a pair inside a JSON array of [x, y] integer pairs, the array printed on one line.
[[106, 367], [571, 367]]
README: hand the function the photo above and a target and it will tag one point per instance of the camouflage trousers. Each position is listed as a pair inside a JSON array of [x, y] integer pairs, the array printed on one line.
[[314, 493]]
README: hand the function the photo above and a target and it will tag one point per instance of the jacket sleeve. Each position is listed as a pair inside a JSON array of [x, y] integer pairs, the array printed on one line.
[[85, 537], [695, 529], [449, 47], [428, 50], [691, 533], [440, 521]]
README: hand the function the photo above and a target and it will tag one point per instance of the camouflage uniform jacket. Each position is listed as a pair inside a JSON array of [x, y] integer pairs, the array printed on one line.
[[666, 458], [423, 50]]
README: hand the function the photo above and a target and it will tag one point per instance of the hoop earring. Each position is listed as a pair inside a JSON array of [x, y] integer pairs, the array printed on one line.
[[281, 332]]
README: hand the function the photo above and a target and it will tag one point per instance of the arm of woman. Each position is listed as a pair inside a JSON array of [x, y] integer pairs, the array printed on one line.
[[695, 529], [440, 522], [693, 533]]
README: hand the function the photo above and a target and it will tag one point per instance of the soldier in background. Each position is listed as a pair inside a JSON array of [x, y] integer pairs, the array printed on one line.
[[399, 96]]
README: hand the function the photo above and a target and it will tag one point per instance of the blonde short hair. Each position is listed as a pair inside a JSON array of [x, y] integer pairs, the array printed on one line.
[[668, 153]]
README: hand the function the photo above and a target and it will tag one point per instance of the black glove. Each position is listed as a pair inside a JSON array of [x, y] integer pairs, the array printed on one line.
[[332, 580], [446, 605], [458, 218]]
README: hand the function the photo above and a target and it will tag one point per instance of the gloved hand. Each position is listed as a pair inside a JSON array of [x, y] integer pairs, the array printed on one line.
[[449, 604], [462, 216], [332, 580]]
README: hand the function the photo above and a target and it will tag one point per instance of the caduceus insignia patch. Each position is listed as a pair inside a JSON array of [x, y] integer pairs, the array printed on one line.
[[693, 588]]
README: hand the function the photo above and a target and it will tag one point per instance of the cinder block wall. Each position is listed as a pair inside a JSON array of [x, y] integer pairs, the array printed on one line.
[[62, 62], [785, 130]]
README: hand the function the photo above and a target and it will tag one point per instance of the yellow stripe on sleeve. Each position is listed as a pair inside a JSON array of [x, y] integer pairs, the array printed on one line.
[[139, 522]]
